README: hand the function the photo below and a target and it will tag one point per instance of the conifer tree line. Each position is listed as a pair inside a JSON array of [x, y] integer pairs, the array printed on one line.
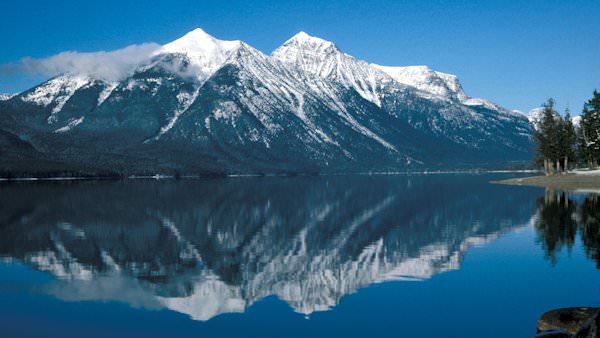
[[560, 145]]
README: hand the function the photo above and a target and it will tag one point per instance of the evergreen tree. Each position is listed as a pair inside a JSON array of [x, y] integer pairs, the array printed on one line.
[[590, 131], [583, 153], [547, 137], [567, 140], [541, 147]]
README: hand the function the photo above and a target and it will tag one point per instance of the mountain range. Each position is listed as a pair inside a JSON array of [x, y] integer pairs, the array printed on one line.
[[201, 105]]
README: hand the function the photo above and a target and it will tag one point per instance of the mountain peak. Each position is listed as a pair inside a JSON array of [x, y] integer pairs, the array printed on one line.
[[198, 41], [301, 35], [306, 41], [198, 32], [307, 52], [322, 58], [205, 52]]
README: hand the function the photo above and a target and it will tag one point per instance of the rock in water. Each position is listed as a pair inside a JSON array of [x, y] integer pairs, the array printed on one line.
[[553, 333], [591, 327], [570, 320]]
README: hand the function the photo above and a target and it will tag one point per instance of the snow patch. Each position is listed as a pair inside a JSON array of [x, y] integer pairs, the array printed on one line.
[[72, 124], [105, 93], [185, 100], [587, 172]]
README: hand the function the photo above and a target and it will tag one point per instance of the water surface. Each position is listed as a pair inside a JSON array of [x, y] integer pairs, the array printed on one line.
[[354, 256]]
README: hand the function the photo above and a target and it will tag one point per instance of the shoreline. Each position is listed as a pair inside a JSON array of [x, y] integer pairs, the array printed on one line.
[[234, 175], [571, 181]]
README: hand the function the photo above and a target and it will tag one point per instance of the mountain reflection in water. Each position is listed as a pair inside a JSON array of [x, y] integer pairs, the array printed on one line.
[[213, 246]]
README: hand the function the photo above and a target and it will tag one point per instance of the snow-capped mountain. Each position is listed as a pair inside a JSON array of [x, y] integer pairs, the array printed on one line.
[[200, 104], [205, 53], [217, 246], [436, 83], [576, 120], [427, 80], [4, 97], [536, 114], [319, 58]]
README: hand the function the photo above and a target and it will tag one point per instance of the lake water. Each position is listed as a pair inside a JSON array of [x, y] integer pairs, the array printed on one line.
[[336, 256]]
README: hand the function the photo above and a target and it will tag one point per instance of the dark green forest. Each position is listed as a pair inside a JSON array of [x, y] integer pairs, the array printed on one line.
[[560, 145]]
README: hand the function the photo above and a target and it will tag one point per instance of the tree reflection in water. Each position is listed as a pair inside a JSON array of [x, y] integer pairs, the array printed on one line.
[[590, 227], [560, 217]]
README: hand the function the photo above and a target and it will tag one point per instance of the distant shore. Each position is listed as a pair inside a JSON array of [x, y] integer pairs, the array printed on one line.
[[79, 176], [576, 180]]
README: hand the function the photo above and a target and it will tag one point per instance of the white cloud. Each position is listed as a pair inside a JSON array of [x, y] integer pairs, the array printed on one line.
[[111, 66]]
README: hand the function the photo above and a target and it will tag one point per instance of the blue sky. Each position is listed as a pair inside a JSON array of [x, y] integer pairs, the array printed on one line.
[[516, 53]]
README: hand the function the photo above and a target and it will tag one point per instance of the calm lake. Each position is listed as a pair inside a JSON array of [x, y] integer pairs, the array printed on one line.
[[335, 256]]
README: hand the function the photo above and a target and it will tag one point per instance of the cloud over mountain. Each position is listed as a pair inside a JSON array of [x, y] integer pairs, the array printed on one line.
[[105, 65]]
